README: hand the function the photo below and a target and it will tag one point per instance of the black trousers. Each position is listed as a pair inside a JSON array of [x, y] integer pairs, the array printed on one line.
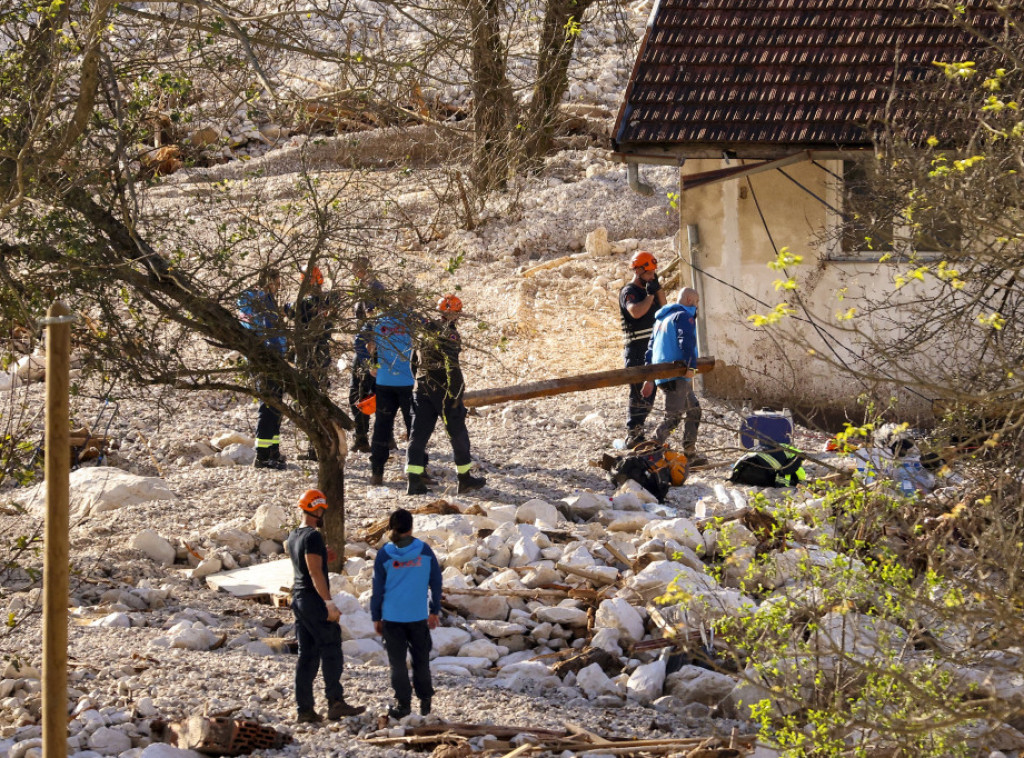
[[319, 645], [412, 637], [268, 420], [390, 400], [429, 405], [361, 386], [639, 406]]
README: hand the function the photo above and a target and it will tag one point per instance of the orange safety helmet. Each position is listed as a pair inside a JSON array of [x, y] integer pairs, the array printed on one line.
[[368, 405], [313, 276], [644, 260], [449, 304], [312, 500]]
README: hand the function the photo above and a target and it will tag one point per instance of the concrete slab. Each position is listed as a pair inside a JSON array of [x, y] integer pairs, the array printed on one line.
[[270, 578]]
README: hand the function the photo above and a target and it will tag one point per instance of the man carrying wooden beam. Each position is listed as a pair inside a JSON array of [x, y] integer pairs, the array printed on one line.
[[639, 300]]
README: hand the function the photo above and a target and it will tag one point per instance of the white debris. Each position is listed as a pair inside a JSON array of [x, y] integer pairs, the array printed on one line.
[[155, 546]]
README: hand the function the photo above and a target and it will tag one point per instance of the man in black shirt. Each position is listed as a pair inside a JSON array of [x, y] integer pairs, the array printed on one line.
[[316, 616], [639, 300]]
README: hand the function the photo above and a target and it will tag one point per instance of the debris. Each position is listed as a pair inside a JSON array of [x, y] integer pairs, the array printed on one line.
[[225, 736]]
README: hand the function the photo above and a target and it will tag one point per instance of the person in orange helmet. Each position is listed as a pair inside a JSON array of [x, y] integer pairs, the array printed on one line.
[[316, 616], [639, 300], [438, 395]]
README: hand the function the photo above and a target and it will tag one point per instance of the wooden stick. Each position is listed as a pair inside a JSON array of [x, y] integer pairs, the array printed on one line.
[[588, 575], [581, 382], [477, 592], [56, 532]]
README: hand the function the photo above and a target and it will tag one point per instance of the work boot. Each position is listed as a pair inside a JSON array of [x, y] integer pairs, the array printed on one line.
[[376, 480], [361, 445], [634, 437], [693, 458], [269, 462], [427, 478], [468, 482], [399, 711], [417, 485], [425, 706], [309, 717], [339, 709]]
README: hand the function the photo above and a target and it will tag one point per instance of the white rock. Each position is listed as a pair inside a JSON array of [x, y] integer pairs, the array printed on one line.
[[607, 639], [647, 681], [357, 625], [145, 708], [617, 613], [107, 741], [365, 650], [113, 620], [626, 521], [585, 505], [480, 607], [31, 368], [597, 243], [524, 552], [475, 665], [481, 649], [627, 501], [197, 638], [564, 616], [592, 681], [102, 488], [436, 528], [537, 510], [238, 455], [155, 546], [209, 565], [271, 522], [681, 530], [447, 640], [270, 547], [234, 539], [224, 439], [631, 485], [693, 684], [259, 649]]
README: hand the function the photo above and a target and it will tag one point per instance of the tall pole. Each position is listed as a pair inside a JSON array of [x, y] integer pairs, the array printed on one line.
[[56, 557]]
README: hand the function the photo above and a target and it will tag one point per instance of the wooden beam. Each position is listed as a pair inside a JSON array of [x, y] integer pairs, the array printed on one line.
[[582, 382]]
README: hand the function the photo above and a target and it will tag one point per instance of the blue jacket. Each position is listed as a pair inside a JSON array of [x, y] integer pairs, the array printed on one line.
[[260, 313], [674, 337], [401, 577], [394, 352]]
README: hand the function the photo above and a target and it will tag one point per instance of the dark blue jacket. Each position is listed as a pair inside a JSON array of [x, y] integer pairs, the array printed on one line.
[[674, 337], [260, 313], [401, 577], [394, 351]]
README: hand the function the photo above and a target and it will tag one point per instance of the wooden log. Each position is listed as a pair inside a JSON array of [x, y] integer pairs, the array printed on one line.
[[582, 382]]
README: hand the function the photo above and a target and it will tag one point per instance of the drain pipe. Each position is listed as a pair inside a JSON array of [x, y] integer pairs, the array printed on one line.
[[633, 176]]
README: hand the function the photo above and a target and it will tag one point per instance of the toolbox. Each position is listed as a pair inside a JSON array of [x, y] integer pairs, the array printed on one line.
[[767, 428]]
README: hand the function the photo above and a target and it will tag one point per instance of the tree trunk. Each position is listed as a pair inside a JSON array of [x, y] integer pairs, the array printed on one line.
[[493, 103]]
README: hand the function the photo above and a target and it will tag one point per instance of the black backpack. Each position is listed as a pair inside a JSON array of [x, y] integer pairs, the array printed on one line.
[[640, 467], [768, 468]]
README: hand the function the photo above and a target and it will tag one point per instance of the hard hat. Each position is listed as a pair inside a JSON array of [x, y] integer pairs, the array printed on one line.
[[312, 500], [449, 304], [313, 276], [368, 405], [644, 260]]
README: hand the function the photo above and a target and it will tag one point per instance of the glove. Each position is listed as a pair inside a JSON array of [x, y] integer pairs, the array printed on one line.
[[653, 286]]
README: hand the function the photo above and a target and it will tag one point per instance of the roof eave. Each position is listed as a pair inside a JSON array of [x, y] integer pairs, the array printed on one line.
[[675, 154]]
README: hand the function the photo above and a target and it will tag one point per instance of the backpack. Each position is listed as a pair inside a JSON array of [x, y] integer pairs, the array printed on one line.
[[653, 466], [768, 468]]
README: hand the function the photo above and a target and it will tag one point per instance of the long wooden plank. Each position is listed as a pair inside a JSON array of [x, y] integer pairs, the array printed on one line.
[[582, 382]]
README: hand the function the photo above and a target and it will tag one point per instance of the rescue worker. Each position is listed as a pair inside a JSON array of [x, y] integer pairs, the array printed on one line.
[[675, 339], [316, 616], [639, 300], [405, 606], [438, 394], [393, 379], [366, 291], [260, 312], [313, 313]]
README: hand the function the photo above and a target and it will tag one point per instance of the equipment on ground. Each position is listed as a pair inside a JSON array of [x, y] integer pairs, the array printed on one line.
[[767, 428], [368, 405]]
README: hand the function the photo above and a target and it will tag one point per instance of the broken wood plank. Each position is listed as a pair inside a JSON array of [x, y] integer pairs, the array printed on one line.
[[582, 382], [591, 576], [375, 531], [478, 730], [476, 591]]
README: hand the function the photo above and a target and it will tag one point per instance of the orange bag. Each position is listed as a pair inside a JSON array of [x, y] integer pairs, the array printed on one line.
[[368, 405]]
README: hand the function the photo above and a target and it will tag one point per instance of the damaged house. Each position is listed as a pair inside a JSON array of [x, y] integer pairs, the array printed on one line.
[[769, 109]]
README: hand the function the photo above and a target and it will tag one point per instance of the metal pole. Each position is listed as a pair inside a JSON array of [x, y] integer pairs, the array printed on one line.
[[55, 561]]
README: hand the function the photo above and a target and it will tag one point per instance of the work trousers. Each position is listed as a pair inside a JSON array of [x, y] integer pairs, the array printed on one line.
[[268, 420], [409, 637], [390, 400], [639, 406], [319, 646], [361, 387], [680, 402], [430, 404]]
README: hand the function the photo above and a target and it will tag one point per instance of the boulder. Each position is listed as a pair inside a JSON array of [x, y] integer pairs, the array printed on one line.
[[107, 741], [271, 522], [584, 505], [607, 639], [693, 684], [499, 629], [211, 564], [154, 546], [631, 485], [647, 681], [365, 650], [357, 625], [436, 528], [560, 615], [682, 530], [448, 640], [113, 620], [592, 681], [238, 454], [475, 665], [538, 512], [480, 606], [617, 613], [102, 488], [233, 539], [524, 552], [31, 368], [480, 649], [597, 243], [625, 521]]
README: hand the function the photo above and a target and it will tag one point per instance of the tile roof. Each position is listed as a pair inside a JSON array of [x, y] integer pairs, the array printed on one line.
[[735, 74]]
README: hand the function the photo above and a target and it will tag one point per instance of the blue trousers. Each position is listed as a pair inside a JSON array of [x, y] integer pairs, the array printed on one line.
[[319, 646]]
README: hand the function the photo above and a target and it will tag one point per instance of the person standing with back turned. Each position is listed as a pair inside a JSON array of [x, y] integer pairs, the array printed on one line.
[[403, 572], [316, 616], [639, 300]]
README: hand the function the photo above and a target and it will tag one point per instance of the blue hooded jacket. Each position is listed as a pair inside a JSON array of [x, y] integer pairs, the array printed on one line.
[[401, 577], [260, 313], [674, 338]]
